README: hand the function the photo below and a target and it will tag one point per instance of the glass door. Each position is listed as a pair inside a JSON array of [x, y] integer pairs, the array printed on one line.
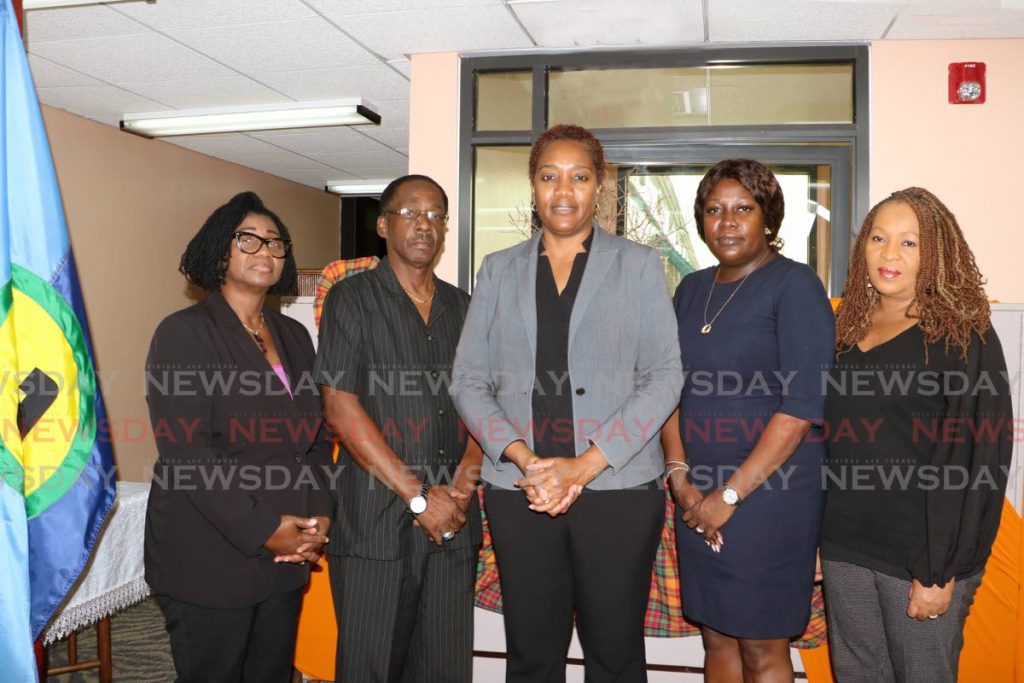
[[656, 187]]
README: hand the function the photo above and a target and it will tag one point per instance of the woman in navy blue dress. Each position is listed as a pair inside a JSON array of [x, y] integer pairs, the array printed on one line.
[[744, 452]]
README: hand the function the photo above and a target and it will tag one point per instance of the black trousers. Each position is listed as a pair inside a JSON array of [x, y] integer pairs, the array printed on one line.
[[408, 620], [246, 645], [595, 562]]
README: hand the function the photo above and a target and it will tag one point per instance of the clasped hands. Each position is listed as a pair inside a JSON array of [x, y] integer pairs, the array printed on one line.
[[446, 512], [299, 539], [929, 602], [704, 514], [552, 485]]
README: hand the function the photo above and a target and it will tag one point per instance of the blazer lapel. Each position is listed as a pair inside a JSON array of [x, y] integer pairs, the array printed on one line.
[[602, 254], [526, 279]]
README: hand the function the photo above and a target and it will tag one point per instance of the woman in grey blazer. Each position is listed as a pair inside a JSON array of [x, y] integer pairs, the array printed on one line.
[[567, 367]]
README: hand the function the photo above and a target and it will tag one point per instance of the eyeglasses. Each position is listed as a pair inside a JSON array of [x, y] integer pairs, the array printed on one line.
[[412, 215], [249, 243]]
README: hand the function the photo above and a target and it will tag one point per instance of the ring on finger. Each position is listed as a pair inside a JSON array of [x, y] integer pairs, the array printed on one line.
[[933, 616], [699, 529]]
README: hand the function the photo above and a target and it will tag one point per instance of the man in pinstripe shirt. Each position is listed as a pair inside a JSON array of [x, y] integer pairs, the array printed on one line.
[[407, 530]]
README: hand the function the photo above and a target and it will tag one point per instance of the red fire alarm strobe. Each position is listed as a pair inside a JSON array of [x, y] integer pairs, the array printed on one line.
[[967, 83]]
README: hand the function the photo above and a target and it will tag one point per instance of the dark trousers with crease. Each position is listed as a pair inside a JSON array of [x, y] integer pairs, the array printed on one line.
[[405, 621], [594, 562], [254, 644]]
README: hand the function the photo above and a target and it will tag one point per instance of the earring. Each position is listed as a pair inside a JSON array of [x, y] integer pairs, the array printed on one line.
[[767, 231], [870, 287], [533, 204]]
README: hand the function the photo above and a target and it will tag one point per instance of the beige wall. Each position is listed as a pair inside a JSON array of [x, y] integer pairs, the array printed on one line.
[[132, 205], [968, 155], [434, 139]]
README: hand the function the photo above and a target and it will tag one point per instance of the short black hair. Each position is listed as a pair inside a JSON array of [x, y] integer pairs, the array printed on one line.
[[204, 262], [388, 195], [758, 180]]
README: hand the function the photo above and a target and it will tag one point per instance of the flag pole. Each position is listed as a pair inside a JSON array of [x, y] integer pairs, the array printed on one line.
[[19, 14]]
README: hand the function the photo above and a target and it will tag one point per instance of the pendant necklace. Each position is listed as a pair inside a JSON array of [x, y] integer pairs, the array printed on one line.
[[256, 334], [706, 328]]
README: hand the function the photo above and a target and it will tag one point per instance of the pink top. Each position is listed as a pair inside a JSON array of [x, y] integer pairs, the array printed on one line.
[[279, 370]]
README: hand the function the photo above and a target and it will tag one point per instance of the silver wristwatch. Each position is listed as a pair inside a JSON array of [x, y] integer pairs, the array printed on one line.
[[730, 496], [418, 503]]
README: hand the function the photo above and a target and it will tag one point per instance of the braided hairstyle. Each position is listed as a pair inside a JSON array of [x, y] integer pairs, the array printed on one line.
[[949, 298], [205, 260]]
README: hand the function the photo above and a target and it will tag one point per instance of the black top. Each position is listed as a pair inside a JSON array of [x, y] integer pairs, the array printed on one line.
[[552, 401], [919, 453], [373, 344], [236, 453]]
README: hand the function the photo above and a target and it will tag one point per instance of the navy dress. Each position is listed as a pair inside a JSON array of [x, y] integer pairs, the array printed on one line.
[[766, 353]]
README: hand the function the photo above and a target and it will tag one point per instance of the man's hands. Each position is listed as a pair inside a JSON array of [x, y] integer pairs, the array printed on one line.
[[929, 602], [444, 514], [299, 539]]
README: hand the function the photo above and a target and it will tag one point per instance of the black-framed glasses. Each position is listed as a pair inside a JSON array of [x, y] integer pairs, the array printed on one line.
[[413, 215], [248, 243]]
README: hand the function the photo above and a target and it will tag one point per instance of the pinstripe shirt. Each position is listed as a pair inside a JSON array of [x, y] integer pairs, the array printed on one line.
[[374, 344]]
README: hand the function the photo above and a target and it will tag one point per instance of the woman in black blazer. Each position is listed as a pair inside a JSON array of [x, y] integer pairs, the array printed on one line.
[[241, 498]]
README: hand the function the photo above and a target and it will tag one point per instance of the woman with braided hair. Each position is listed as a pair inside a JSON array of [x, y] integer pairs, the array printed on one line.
[[920, 416]]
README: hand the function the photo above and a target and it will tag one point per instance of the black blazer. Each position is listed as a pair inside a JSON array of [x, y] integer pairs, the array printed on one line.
[[235, 453]]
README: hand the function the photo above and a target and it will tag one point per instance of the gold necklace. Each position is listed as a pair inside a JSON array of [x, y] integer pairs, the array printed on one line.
[[419, 300], [706, 329], [256, 334]]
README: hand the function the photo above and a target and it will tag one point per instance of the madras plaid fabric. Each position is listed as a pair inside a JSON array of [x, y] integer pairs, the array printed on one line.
[[336, 271], [664, 608]]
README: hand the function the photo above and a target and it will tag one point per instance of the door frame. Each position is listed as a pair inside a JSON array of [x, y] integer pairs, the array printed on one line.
[[838, 157]]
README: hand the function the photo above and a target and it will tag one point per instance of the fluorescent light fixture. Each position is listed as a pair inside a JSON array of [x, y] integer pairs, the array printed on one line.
[[355, 188], [254, 117], [48, 4]]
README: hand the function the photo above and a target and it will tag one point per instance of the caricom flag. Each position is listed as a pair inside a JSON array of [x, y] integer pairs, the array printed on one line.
[[57, 478]]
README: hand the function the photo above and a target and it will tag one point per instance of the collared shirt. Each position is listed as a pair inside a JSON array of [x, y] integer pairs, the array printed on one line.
[[374, 344], [554, 432]]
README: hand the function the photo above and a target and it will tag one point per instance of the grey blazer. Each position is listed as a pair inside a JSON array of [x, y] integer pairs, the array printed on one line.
[[625, 373]]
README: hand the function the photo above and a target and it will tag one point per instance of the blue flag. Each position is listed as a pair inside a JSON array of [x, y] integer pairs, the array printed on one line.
[[56, 478]]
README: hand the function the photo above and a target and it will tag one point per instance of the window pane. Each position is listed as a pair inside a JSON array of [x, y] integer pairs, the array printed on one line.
[[628, 98], [501, 200], [659, 213], [782, 93], [504, 101], [701, 96]]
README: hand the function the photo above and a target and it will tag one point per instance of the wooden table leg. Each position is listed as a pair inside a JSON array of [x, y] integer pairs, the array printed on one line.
[[103, 650]]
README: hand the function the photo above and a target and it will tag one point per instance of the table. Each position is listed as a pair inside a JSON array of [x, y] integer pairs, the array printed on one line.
[[113, 579]]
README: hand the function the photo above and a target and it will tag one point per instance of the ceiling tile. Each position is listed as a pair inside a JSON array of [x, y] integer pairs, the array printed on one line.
[[378, 172], [344, 161], [317, 179], [346, 7], [394, 114], [448, 29], [225, 91], [131, 59], [177, 14], [396, 138], [358, 81], [292, 45], [47, 74], [788, 20], [213, 145], [104, 103], [612, 22], [335, 140], [69, 23], [938, 23]]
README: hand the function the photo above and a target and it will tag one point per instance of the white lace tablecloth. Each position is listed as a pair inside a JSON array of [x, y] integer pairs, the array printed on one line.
[[114, 577]]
